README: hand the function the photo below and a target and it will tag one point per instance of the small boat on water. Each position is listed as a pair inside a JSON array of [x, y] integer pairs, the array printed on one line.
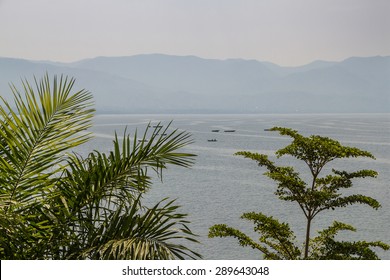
[[215, 130], [212, 140], [267, 129], [230, 130]]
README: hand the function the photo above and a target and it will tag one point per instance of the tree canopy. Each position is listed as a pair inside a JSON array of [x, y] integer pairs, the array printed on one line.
[[277, 240]]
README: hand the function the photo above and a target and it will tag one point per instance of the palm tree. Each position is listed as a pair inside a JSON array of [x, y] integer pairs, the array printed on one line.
[[59, 205]]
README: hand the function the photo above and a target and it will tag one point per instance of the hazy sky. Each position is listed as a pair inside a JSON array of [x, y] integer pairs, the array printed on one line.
[[286, 32]]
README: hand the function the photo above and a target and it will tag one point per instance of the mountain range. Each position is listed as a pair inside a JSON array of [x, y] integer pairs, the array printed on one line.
[[157, 83]]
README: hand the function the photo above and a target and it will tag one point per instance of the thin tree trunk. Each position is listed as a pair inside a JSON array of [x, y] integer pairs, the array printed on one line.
[[307, 236], [310, 217]]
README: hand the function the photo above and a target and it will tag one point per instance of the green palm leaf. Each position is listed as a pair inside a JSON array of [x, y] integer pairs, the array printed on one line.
[[103, 194], [115, 177], [54, 205], [131, 233], [34, 136]]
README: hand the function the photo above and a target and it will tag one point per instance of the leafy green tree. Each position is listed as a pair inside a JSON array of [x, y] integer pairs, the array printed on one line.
[[277, 240], [60, 205]]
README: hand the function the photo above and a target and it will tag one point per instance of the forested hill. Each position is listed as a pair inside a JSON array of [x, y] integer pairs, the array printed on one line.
[[158, 83]]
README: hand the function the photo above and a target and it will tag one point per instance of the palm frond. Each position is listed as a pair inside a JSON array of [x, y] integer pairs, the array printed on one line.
[[33, 136], [123, 172], [130, 233], [54, 205]]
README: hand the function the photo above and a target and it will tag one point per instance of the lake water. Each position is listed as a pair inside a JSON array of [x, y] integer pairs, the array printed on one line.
[[220, 186]]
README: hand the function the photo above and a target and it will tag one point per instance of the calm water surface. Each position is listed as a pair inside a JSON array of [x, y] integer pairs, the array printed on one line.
[[220, 186]]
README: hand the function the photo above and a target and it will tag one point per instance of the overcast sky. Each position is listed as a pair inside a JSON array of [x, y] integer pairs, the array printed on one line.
[[286, 32]]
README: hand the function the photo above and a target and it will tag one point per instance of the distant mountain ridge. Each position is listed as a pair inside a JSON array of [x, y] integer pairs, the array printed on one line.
[[157, 83]]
